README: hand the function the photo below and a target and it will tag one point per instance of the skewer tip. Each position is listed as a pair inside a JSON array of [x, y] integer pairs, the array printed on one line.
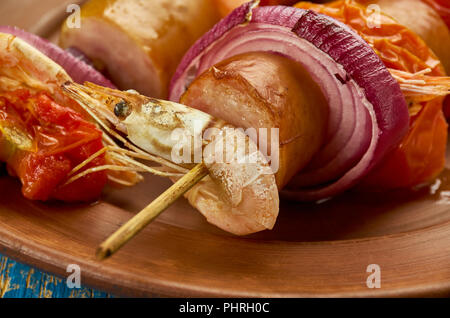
[[102, 253]]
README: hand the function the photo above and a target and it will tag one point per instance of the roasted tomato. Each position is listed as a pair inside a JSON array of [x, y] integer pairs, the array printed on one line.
[[42, 142]]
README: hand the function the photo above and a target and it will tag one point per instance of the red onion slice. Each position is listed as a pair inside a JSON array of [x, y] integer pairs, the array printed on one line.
[[79, 55], [368, 113], [338, 156], [77, 69]]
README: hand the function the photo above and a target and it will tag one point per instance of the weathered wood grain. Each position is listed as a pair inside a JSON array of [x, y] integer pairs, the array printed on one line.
[[21, 281]]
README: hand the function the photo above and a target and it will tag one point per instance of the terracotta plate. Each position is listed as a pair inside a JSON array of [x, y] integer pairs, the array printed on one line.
[[315, 250]]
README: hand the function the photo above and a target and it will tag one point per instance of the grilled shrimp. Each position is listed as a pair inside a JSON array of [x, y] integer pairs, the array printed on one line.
[[239, 195]]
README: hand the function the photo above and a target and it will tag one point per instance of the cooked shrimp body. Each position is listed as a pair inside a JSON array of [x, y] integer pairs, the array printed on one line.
[[24, 66], [239, 195]]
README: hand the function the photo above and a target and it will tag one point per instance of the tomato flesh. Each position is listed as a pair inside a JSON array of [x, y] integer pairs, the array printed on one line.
[[61, 139]]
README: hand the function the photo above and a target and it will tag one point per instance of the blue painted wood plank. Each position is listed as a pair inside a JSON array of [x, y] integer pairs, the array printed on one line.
[[21, 281]]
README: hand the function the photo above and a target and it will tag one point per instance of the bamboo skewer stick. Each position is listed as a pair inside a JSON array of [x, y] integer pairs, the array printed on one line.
[[149, 213]]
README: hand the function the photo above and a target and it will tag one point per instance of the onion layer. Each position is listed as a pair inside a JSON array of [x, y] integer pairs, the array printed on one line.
[[77, 69], [368, 113]]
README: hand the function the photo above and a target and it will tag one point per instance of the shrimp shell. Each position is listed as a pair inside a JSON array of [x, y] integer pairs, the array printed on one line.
[[24, 66]]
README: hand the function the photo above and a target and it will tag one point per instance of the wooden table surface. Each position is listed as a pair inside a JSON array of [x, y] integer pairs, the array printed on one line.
[[21, 281]]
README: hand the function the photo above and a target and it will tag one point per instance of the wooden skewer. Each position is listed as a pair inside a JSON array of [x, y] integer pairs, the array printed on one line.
[[149, 213]]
